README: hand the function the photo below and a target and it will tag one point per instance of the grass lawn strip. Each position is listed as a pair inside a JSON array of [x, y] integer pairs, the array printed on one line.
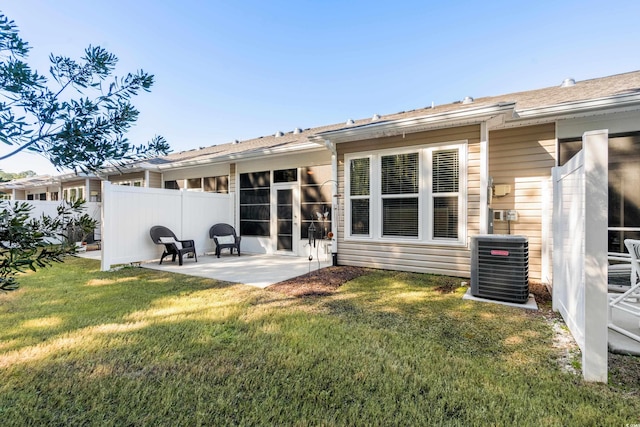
[[140, 347]]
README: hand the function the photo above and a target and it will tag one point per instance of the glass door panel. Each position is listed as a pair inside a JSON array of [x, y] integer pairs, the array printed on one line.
[[284, 219]]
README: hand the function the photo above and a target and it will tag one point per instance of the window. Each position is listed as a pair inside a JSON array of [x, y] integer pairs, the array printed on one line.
[[446, 179], [255, 207], [412, 194], [194, 184], [172, 185], [400, 184], [315, 200], [73, 194], [285, 175], [624, 180], [216, 184], [359, 195], [37, 196], [129, 183], [54, 196]]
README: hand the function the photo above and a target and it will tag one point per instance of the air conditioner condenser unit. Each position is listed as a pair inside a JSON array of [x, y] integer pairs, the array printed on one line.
[[500, 267]]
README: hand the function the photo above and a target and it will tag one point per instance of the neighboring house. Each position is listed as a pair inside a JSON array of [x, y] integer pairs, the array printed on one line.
[[406, 191], [68, 187]]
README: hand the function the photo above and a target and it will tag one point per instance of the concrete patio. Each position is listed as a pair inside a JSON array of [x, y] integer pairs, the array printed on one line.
[[620, 343], [249, 269]]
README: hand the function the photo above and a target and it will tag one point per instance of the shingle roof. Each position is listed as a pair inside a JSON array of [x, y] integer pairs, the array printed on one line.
[[619, 84], [604, 87]]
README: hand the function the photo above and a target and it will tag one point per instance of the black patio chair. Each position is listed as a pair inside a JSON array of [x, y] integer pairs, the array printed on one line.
[[225, 237], [172, 246]]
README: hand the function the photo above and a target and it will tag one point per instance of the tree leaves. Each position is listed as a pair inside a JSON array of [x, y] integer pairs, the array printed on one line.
[[28, 243], [80, 124]]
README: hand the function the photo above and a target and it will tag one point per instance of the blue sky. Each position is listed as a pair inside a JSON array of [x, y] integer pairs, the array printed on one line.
[[230, 70]]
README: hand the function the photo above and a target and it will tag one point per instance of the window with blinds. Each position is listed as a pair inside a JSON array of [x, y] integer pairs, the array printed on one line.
[[399, 187], [411, 194], [360, 193], [446, 179]]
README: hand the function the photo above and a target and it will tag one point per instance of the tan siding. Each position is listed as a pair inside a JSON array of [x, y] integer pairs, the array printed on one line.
[[155, 180], [523, 158], [232, 178], [95, 185], [232, 190], [419, 257], [127, 177], [73, 184]]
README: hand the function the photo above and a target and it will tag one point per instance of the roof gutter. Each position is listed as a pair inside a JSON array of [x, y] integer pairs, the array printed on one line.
[[414, 124], [616, 102], [240, 156]]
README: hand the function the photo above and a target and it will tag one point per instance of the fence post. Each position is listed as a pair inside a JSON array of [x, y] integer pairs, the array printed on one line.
[[105, 224], [596, 161], [558, 276]]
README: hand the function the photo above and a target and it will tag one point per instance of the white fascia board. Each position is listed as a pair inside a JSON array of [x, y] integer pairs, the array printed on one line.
[[127, 168], [306, 147], [415, 124], [72, 176], [624, 102]]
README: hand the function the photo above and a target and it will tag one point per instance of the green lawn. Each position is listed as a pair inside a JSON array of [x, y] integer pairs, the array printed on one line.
[[139, 347]]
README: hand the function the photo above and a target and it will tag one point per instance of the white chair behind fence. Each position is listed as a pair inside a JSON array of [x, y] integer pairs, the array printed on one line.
[[629, 301]]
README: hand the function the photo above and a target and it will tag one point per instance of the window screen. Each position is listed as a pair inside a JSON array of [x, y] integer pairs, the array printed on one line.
[[446, 178], [360, 193], [360, 177], [400, 184], [255, 204]]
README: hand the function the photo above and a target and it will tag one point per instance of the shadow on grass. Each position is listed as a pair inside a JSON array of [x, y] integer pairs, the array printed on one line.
[[76, 295]]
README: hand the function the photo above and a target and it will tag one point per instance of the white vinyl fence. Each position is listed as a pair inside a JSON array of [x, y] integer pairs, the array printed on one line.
[[50, 208], [129, 213], [580, 220]]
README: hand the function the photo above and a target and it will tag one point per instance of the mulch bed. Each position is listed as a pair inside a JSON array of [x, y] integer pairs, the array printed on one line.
[[326, 280], [319, 282]]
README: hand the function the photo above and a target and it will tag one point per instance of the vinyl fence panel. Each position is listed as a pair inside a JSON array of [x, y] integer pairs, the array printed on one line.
[[580, 250], [130, 212], [50, 208]]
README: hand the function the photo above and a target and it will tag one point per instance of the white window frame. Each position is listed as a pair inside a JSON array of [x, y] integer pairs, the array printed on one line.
[[130, 182], [79, 191], [425, 195], [347, 163]]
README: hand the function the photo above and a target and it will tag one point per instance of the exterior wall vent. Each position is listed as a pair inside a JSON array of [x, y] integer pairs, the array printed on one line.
[[467, 100], [568, 83], [500, 267]]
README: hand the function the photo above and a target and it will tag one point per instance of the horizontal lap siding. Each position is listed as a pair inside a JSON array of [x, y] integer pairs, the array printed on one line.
[[155, 180], [523, 158], [126, 177], [74, 184], [419, 257]]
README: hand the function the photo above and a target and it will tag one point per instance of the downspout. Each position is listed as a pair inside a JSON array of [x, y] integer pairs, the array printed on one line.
[[484, 178], [335, 201]]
